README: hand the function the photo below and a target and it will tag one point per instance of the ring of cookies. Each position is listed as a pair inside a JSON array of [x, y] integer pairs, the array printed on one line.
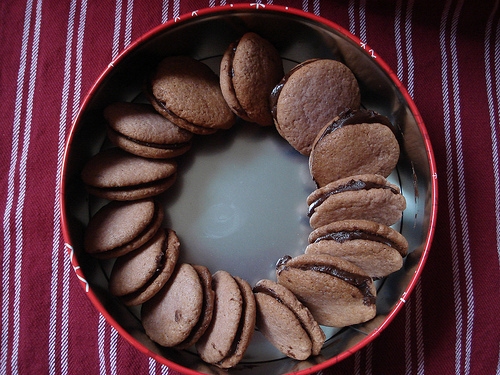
[[316, 108]]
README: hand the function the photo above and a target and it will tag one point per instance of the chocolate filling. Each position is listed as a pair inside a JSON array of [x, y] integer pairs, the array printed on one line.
[[172, 146], [361, 282], [268, 291], [358, 234], [355, 117], [352, 185]]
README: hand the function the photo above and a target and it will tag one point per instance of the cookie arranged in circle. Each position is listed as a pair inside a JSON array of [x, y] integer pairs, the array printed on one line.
[[367, 197], [121, 227], [233, 321], [375, 248], [250, 68], [188, 93], [140, 130], [309, 96], [337, 292], [140, 274], [170, 316], [356, 142], [115, 174], [286, 322]]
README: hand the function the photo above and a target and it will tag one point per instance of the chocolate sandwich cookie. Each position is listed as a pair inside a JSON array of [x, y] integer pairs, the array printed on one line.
[[206, 311], [250, 68], [188, 93], [337, 292], [286, 322], [120, 227], [367, 197], [355, 142], [309, 96], [233, 322], [375, 248], [140, 130], [169, 317], [140, 274], [115, 174]]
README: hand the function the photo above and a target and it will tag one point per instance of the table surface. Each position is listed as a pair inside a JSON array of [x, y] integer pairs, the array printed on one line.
[[446, 53]]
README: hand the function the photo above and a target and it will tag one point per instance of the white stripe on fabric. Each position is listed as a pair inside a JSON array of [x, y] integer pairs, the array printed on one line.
[[177, 9], [469, 296], [420, 329], [164, 11], [316, 7], [462, 194], [450, 186], [7, 248], [128, 23], [493, 106], [305, 5], [165, 370], [116, 31], [101, 344], [22, 190], [352, 20], [56, 240], [362, 21], [151, 366], [113, 346]]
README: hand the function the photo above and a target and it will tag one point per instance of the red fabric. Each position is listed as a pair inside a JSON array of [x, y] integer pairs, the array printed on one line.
[[449, 58]]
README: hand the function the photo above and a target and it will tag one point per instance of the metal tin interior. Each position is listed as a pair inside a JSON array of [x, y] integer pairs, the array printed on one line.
[[205, 36]]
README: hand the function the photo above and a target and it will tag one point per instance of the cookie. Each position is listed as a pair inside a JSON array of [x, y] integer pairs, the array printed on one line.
[[140, 274], [233, 322], [169, 317], [140, 130], [115, 174], [286, 322], [188, 93], [367, 197], [309, 96], [250, 68], [206, 311], [375, 248], [337, 292], [355, 142], [120, 227]]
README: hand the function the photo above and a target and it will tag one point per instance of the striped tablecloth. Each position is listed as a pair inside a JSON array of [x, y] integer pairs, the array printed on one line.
[[447, 53]]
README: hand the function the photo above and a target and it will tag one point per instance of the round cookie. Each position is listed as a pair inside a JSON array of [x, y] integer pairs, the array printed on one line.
[[233, 322], [286, 322], [337, 292], [250, 68], [309, 96], [367, 197], [188, 93], [355, 142], [169, 317], [140, 130], [120, 227], [115, 174], [207, 308], [140, 274], [375, 248]]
